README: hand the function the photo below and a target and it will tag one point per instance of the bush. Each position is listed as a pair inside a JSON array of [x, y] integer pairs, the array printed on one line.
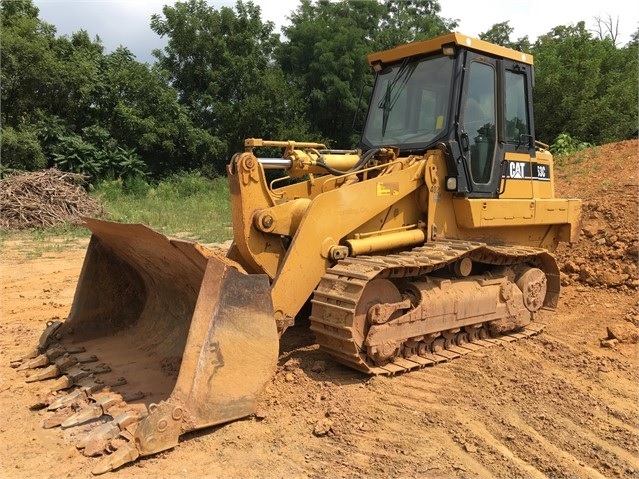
[[136, 186], [184, 185], [21, 150], [566, 145]]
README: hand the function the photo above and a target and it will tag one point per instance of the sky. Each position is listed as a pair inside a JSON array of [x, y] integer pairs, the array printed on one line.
[[126, 22]]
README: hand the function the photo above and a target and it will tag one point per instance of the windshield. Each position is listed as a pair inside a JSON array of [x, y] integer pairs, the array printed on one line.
[[410, 103]]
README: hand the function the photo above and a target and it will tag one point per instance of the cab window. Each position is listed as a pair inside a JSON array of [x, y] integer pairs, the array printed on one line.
[[516, 110], [478, 120]]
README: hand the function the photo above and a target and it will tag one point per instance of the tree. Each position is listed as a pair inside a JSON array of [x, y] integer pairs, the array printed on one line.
[[607, 28], [68, 104], [499, 34], [221, 63], [584, 86], [411, 20], [325, 54], [29, 68], [139, 108]]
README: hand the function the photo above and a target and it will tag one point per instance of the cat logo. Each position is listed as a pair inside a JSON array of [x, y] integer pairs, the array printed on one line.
[[517, 169]]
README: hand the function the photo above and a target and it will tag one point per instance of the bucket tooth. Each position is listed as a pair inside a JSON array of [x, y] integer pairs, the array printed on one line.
[[49, 356], [134, 396], [96, 410], [59, 366], [87, 359], [63, 382], [117, 382], [49, 372], [95, 443], [67, 400], [86, 386], [75, 349], [43, 359], [70, 378], [100, 369], [55, 420], [39, 361], [66, 361], [123, 455], [15, 363], [82, 416]]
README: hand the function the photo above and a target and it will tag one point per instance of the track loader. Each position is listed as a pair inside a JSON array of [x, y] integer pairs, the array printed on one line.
[[433, 239]]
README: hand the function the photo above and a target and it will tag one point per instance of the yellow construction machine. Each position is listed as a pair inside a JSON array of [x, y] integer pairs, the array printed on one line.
[[432, 239]]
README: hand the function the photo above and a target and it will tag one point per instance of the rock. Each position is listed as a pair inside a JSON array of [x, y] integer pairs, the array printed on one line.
[[623, 333], [322, 427], [292, 365], [633, 250], [587, 275], [318, 366], [613, 279], [605, 367], [571, 267], [95, 448], [609, 343], [290, 377], [470, 447], [592, 228]]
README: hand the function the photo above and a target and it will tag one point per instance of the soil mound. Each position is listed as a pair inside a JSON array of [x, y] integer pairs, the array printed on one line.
[[606, 179]]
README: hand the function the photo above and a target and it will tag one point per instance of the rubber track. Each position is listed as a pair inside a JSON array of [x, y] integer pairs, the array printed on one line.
[[338, 293]]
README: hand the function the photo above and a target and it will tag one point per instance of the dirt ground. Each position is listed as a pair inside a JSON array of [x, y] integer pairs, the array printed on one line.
[[556, 405]]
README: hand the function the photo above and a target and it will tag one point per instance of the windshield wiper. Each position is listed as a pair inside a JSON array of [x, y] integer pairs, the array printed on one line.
[[391, 95]]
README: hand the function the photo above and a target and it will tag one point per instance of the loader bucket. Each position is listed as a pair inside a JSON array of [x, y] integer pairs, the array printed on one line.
[[186, 329]]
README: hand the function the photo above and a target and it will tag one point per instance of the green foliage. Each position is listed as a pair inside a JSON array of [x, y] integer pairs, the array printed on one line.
[[96, 155], [221, 62], [499, 34], [409, 21], [105, 115], [225, 75], [325, 54], [326, 57], [584, 86], [565, 144], [183, 186], [20, 150]]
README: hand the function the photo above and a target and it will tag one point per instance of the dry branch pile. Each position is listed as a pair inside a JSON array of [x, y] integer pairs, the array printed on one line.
[[43, 199]]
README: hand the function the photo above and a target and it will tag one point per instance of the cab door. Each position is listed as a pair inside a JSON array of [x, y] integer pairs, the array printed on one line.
[[479, 125], [496, 127]]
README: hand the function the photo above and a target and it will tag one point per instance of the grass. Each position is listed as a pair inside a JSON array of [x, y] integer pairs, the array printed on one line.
[[188, 206]]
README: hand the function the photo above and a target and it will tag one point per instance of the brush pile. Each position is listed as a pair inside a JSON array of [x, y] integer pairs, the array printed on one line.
[[44, 199]]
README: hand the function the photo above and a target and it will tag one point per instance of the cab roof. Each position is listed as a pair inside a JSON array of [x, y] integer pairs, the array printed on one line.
[[435, 45]]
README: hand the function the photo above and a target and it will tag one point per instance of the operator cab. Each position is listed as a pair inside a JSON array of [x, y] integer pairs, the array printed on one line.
[[470, 96]]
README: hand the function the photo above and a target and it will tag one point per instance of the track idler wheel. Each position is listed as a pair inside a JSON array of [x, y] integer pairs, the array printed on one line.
[[533, 285]]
